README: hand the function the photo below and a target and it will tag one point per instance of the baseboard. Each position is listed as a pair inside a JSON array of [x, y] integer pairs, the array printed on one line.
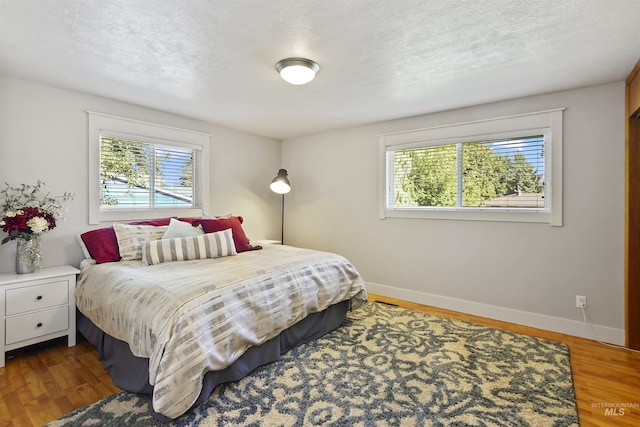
[[535, 320]]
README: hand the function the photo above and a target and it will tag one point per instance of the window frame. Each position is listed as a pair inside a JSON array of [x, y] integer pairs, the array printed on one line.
[[124, 128], [547, 122]]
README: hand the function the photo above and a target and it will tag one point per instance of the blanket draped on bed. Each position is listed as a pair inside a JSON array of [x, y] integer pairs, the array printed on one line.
[[190, 317]]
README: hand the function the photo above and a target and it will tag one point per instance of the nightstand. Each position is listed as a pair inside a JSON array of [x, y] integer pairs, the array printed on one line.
[[37, 307]]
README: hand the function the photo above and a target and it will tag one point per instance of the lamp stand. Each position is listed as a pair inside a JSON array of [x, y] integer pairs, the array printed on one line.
[[282, 226]]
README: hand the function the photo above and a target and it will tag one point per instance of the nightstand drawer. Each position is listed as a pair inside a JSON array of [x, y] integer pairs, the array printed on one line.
[[20, 328], [38, 297]]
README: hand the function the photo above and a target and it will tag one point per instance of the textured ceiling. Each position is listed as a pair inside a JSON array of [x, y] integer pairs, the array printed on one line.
[[379, 59]]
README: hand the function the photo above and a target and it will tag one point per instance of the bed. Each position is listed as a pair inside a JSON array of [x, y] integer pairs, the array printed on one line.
[[175, 329]]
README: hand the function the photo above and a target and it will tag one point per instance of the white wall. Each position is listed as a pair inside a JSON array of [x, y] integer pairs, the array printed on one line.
[[43, 135], [521, 272]]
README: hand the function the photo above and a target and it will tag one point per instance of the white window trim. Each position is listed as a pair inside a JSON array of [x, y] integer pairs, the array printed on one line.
[[548, 122], [104, 124]]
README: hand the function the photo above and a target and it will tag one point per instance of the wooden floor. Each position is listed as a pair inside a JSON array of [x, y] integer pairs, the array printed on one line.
[[43, 382]]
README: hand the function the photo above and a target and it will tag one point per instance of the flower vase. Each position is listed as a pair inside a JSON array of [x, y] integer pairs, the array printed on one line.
[[27, 255]]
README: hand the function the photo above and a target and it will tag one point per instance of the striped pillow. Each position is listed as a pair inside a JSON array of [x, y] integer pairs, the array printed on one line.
[[212, 245]]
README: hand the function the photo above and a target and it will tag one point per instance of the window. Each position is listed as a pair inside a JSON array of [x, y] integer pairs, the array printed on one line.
[[136, 174], [142, 170], [506, 169]]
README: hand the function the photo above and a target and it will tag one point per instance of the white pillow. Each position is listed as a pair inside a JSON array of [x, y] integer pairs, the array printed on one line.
[[211, 245], [85, 251], [131, 237], [179, 228]]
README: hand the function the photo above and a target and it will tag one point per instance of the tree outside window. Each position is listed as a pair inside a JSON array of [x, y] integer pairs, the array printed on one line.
[[498, 173], [139, 174]]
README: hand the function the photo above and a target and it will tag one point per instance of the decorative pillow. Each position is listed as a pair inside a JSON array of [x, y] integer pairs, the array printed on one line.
[[207, 216], [213, 245], [131, 237], [240, 239], [181, 229], [162, 221], [102, 244], [85, 251], [155, 222]]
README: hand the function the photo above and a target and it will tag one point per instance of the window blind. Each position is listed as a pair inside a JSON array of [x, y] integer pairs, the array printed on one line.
[[143, 175], [497, 173]]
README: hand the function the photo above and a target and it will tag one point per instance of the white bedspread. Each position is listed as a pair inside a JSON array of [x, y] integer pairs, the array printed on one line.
[[190, 317]]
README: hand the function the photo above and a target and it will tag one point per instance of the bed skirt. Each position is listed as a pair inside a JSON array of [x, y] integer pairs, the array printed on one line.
[[131, 373]]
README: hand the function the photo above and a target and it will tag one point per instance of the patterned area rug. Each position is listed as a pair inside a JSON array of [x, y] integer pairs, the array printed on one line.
[[386, 366]]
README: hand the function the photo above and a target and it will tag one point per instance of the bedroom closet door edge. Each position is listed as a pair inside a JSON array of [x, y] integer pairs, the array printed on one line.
[[632, 207]]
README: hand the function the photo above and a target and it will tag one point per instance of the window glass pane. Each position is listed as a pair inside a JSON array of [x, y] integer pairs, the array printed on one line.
[[124, 173], [506, 173], [174, 176], [140, 175], [425, 176]]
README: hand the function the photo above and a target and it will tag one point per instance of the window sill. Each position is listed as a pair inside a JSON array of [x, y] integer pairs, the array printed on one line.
[[144, 214], [472, 214]]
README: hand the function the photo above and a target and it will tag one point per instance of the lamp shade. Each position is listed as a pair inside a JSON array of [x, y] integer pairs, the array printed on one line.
[[280, 183], [297, 71]]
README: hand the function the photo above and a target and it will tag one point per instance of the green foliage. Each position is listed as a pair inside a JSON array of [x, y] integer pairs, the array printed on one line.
[[430, 179], [484, 174], [144, 166], [523, 175], [120, 159], [186, 177], [428, 176]]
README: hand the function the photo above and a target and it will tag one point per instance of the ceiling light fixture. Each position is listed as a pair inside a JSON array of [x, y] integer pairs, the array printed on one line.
[[297, 71]]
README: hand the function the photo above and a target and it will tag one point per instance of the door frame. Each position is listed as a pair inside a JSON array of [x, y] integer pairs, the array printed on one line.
[[632, 209]]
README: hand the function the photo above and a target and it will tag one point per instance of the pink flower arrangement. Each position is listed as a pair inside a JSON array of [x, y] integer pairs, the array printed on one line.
[[26, 213]]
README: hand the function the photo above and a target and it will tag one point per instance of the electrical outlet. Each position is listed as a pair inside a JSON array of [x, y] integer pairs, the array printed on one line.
[[581, 301]]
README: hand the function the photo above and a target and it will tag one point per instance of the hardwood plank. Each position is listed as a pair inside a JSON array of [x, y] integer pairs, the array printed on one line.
[[73, 377], [45, 381]]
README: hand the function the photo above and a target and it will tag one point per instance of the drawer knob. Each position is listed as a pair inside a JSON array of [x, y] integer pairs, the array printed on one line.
[[39, 325], [39, 297]]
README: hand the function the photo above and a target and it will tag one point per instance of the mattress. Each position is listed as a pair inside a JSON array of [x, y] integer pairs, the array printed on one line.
[[189, 318]]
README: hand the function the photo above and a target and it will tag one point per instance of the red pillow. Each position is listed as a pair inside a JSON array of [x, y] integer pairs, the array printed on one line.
[[155, 222], [240, 239], [102, 245]]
